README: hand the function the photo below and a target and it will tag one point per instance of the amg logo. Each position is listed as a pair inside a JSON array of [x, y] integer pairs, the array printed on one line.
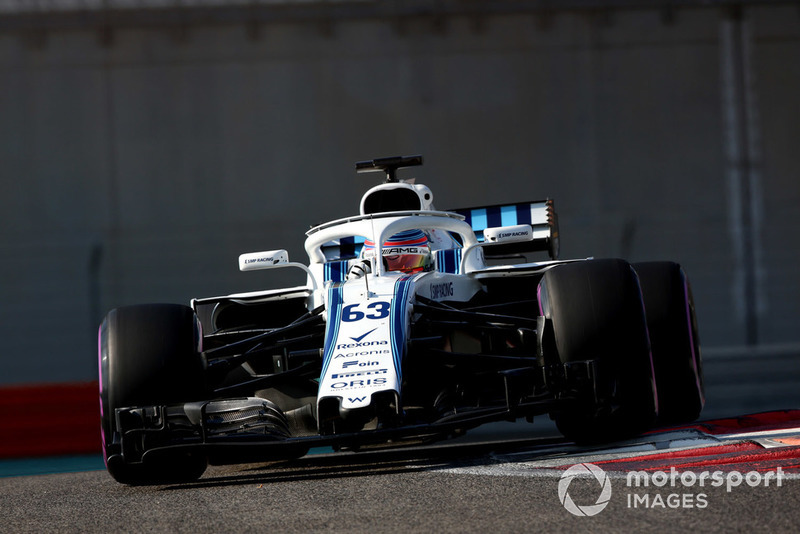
[[359, 373], [362, 344], [394, 251]]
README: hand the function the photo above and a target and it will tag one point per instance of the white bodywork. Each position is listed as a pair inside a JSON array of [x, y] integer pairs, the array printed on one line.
[[368, 317], [367, 331]]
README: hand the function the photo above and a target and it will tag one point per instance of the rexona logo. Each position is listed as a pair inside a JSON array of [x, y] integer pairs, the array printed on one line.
[[358, 339], [583, 470]]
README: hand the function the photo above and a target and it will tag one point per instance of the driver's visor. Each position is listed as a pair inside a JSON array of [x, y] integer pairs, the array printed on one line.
[[407, 263]]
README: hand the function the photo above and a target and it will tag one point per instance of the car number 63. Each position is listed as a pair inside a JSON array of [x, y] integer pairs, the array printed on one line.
[[375, 310]]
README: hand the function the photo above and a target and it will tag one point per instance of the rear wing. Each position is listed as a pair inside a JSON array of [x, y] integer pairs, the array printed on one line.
[[539, 214]]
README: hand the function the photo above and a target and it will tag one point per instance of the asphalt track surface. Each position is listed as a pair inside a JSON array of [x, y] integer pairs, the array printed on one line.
[[508, 485]]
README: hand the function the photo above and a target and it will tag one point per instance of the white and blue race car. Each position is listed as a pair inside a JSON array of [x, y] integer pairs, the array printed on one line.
[[414, 325]]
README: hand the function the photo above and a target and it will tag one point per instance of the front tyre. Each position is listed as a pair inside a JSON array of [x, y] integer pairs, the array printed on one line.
[[675, 344], [598, 317], [149, 355]]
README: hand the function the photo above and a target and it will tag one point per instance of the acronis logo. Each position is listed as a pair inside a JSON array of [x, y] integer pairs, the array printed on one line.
[[345, 346]]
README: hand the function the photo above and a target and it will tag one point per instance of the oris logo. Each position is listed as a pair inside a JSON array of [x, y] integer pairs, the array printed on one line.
[[359, 383]]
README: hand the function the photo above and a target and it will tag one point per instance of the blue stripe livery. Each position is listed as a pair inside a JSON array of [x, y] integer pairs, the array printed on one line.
[[332, 326], [493, 216]]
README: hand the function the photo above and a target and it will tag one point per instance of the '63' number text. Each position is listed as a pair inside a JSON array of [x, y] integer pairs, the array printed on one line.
[[375, 310]]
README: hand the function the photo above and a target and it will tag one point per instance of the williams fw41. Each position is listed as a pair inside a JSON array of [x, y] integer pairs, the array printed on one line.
[[414, 325]]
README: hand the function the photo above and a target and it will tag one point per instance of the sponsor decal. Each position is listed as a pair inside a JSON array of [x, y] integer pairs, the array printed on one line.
[[362, 336], [440, 291], [355, 374], [503, 235], [345, 365], [345, 346], [394, 251], [354, 400], [352, 384], [270, 259], [362, 353]]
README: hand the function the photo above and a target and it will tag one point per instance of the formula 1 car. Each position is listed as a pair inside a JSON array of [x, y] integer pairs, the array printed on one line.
[[414, 325]]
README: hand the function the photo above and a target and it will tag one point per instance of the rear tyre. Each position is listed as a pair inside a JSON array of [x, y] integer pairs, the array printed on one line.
[[148, 355], [597, 315], [673, 337]]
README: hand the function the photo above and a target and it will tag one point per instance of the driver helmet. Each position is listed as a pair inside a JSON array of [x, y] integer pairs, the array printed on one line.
[[408, 252]]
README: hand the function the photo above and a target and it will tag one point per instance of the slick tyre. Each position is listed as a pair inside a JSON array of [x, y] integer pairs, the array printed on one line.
[[598, 316], [148, 355], [674, 342]]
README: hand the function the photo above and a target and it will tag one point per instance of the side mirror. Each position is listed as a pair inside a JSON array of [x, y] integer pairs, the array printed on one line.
[[508, 234], [253, 261]]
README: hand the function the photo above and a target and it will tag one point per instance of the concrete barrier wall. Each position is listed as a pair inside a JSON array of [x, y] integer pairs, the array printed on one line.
[[138, 169]]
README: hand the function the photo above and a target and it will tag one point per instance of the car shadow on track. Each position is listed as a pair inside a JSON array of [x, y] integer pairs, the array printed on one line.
[[364, 463]]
